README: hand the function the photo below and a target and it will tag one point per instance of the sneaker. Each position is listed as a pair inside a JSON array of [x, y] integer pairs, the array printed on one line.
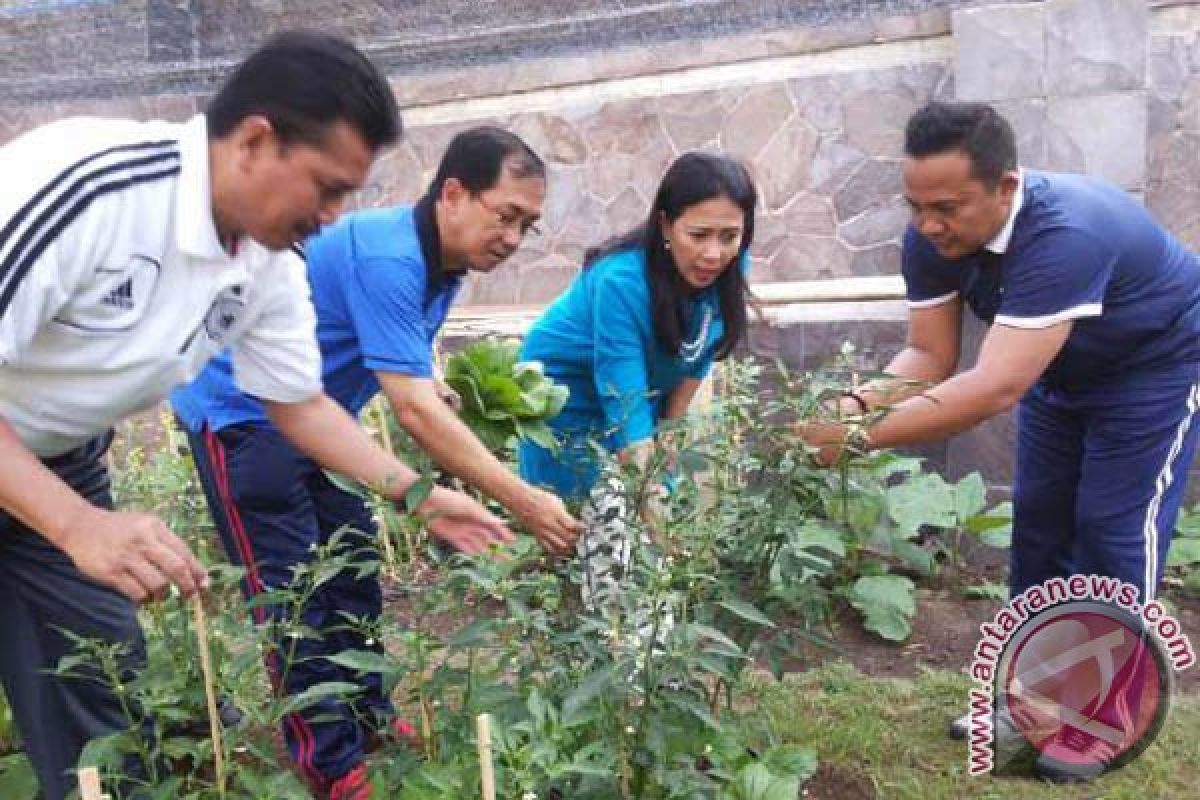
[[1004, 730], [404, 731], [354, 785], [397, 730], [1074, 756]]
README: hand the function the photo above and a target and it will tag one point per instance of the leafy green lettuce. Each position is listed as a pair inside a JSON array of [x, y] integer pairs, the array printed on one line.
[[504, 399]]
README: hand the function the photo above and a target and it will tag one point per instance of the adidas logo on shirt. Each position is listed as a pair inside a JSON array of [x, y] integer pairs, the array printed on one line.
[[121, 296]]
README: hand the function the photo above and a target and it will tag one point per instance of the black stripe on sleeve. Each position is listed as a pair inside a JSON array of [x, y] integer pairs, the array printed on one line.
[[33, 245]]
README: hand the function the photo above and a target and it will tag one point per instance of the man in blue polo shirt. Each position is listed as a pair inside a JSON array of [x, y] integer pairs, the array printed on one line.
[[1095, 339], [382, 283]]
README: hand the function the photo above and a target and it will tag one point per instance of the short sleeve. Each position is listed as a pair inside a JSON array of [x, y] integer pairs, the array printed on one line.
[[34, 292], [1061, 274], [701, 369], [386, 297], [620, 359], [277, 357], [928, 280], [41, 267]]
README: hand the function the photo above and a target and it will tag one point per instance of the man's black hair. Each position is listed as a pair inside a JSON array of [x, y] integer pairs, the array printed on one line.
[[475, 158], [304, 82], [975, 129]]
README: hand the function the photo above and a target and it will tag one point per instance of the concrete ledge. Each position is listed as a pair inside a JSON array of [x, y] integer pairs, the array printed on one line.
[[785, 303]]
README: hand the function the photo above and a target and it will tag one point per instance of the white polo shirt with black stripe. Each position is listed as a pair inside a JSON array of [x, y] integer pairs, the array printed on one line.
[[114, 286]]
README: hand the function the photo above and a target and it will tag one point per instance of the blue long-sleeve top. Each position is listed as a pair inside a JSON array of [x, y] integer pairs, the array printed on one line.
[[598, 339]]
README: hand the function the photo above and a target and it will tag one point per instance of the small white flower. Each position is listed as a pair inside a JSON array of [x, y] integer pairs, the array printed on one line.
[[629, 730], [529, 796], [707, 749]]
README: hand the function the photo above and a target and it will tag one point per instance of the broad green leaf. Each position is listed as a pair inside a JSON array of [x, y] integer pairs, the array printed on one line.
[[347, 485], [970, 496], [887, 603], [813, 535], [539, 433], [747, 612], [1189, 522], [914, 555], [729, 647], [583, 694], [418, 493], [17, 780], [993, 527], [315, 694], [983, 523], [752, 782], [363, 661], [926, 499], [1184, 552]]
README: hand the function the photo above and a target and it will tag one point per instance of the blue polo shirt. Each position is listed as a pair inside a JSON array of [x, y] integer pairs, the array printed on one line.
[[598, 339], [381, 296], [1082, 250]]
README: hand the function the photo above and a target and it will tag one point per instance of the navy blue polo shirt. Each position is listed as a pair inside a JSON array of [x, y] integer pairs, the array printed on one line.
[[1082, 250], [381, 295]]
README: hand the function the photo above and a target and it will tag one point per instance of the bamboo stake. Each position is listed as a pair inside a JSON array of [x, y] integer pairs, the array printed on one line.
[[389, 554], [210, 691], [483, 731], [89, 784]]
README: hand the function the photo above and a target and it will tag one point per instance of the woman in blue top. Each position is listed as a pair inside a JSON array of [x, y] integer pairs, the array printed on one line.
[[638, 330]]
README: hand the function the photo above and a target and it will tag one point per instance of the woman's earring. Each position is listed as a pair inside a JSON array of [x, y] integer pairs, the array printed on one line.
[[666, 244]]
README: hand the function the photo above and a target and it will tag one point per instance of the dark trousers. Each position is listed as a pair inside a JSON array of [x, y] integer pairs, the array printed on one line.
[[274, 507], [41, 595], [1100, 477]]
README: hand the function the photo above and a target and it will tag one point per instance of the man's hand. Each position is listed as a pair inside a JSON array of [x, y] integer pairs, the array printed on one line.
[[828, 437], [133, 552], [463, 523], [544, 514]]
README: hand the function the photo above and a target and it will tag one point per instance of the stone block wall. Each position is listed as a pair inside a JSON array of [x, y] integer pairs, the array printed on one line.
[[812, 95], [1173, 120], [825, 156], [1071, 77]]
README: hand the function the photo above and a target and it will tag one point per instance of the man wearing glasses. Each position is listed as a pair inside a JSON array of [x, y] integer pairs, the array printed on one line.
[[382, 284]]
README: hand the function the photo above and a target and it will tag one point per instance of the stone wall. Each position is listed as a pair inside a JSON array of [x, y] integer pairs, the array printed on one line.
[[812, 95], [814, 105]]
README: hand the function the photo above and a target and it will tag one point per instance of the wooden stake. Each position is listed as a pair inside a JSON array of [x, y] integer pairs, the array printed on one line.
[[89, 784], [210, 690], [483, 732], [389, 555]]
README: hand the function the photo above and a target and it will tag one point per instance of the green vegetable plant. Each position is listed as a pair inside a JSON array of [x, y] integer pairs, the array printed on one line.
[[743, 562], [504, 399]]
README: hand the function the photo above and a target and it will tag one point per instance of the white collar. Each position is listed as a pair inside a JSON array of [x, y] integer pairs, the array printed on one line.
[[999, 242], [195, 229]]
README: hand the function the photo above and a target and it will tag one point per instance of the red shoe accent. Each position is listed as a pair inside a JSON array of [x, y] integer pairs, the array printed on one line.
[[405, 731], [354, 785]]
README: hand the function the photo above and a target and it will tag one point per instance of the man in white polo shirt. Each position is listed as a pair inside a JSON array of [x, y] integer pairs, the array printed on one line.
[[130, 254]]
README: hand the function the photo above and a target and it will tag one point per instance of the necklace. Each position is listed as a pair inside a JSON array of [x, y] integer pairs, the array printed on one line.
[[691, 351]]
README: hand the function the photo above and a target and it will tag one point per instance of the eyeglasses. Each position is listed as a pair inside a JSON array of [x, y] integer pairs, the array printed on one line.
[[507, 218]]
